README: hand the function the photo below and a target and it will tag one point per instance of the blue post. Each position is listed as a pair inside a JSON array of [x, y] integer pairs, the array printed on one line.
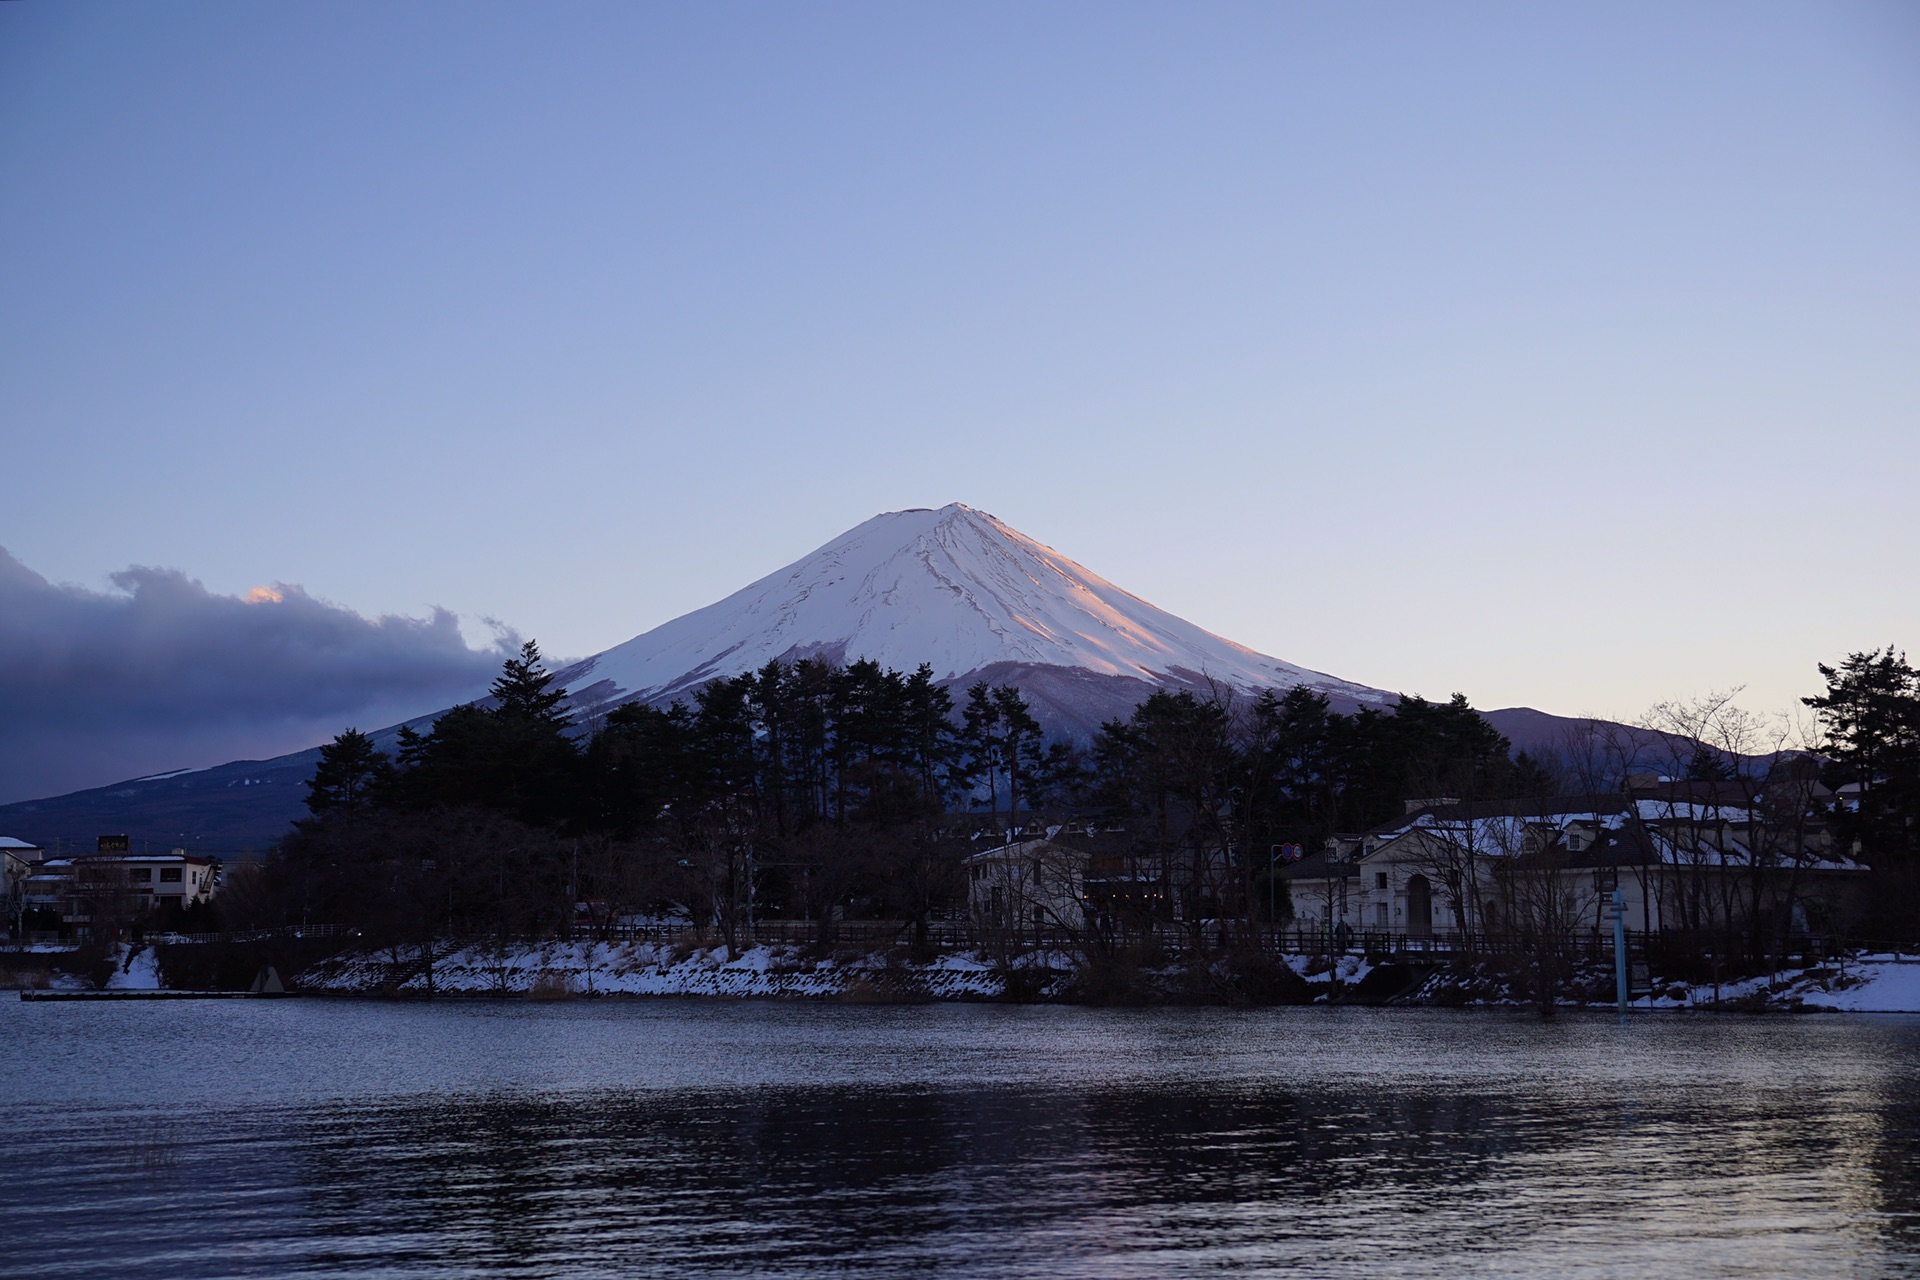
[[1620, 945]]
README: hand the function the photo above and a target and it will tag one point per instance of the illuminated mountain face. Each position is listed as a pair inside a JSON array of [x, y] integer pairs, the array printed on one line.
[[953, 588]]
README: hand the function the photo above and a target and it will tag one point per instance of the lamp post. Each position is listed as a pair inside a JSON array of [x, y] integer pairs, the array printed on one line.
[[1619, 912]]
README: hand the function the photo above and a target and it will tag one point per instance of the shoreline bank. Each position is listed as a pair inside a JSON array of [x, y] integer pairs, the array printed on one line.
[[1862, 983]]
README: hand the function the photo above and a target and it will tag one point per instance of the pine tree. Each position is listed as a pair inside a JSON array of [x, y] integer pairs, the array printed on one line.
[[1021, 746], [1870, 722], [524, 692], [932, 745], [982, 744], [349, 776]]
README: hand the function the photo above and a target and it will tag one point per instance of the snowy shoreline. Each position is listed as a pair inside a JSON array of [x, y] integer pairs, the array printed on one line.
[[1865, 983], [566, 969]]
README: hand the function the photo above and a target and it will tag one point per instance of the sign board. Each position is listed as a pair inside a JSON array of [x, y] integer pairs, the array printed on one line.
[[113, 844]]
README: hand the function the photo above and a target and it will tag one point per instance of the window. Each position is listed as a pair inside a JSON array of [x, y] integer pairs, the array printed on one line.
[[1379, 879], [1380, 913], [169, 875], [139, 873]]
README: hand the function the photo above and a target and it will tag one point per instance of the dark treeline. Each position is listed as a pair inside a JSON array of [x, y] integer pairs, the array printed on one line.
[[1870, 744], [803, 791], [817, 792], [1204, 790]]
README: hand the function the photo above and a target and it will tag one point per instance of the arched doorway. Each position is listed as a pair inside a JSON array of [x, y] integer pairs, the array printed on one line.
[[1419, 907]]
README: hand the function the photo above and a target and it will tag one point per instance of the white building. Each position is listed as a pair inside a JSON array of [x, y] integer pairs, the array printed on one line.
[[124, 886], [1683, 855], [17, 861], [1026, 884]]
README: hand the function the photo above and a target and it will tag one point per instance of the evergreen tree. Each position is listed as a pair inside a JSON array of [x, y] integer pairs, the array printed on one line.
[[932, 743], [1533, 777], [350, 777], [1870, 724], [1022, 745], [515, 757], [982, 745], [1707, 765], [640, 764], [524, 692]]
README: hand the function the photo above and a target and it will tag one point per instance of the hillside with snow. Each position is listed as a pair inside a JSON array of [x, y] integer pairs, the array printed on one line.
[[954, 588]]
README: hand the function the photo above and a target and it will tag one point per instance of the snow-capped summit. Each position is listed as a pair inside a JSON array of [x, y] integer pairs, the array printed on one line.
[[954, 588]]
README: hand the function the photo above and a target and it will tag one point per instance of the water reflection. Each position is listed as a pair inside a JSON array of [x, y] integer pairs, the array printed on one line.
[[1438, 1146]]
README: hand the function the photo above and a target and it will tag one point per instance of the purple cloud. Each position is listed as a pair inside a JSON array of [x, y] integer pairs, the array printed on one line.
[[164, 674]]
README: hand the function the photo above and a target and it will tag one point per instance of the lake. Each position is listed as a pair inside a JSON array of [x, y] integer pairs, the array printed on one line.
[[686, 1138]]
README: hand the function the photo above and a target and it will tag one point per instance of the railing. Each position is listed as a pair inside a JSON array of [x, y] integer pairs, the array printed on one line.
[[256, 935]]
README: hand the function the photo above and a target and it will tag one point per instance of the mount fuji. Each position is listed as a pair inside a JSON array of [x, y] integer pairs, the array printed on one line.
[[960, 591], [953, 587]]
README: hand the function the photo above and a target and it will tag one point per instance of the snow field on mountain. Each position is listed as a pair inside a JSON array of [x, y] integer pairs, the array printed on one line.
[[954, 588]]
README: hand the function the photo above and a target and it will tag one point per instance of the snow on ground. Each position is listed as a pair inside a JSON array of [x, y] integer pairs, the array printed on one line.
[[1881, 983], [1875, 984], [1861, 984], [1352, 969], [561, 969], [139, 971]]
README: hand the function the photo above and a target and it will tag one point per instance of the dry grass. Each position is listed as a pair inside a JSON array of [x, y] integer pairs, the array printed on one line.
[[552, 984]]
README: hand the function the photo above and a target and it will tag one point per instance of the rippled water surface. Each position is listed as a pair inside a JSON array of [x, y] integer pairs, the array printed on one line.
[[270, 1138]]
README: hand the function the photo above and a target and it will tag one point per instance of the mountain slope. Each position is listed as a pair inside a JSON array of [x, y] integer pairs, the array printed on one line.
[[954, 588], [231, 809]]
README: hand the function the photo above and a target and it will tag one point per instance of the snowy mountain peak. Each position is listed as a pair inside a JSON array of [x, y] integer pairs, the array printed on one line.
[[950, 586]]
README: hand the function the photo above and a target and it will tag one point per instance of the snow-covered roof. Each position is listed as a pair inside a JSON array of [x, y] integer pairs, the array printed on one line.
[[1018, 849], [145, 857], [10, 842], [1688, 811], [1608, 812]]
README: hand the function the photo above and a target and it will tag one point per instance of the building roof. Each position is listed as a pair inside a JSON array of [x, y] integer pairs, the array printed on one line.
[[1570, 808], [1017, 849], [193, 859], [1317, 866]]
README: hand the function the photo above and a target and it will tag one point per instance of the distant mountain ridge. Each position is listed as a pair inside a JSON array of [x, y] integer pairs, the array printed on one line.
[[951, 587]]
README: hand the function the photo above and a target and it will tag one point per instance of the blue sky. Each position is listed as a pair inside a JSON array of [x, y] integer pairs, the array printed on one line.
[[1564, 355]]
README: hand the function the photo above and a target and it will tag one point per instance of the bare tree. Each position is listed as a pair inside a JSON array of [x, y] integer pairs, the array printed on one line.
[[1544, 901], [718, 843], [1734, 819]]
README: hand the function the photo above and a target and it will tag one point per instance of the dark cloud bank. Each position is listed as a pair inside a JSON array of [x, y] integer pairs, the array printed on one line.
[[96, 687]]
